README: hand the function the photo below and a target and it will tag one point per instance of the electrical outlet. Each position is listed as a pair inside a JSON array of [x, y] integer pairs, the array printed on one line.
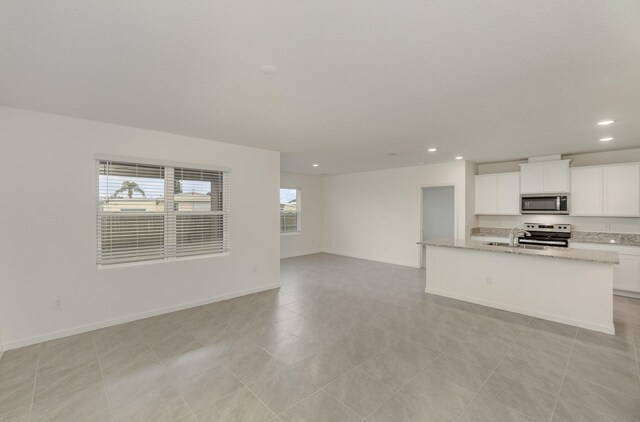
[[255, 269], [607, 227], [488, 279], [57, 303]]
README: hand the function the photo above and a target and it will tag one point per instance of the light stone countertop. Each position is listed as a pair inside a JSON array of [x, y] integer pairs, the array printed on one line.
[[604, 257]]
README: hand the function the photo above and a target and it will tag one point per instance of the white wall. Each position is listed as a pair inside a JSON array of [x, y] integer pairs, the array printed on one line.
[[309, 239], [48, 246], [376, 215]]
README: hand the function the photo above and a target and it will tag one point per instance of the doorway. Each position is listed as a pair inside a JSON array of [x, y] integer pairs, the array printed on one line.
[[438, 215]]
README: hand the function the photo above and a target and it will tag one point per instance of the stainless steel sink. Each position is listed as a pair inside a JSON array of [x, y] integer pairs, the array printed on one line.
[[506, 245], [497, 244]]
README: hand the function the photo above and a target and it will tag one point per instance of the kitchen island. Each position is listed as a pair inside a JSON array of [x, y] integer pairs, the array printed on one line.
[[570, 286]]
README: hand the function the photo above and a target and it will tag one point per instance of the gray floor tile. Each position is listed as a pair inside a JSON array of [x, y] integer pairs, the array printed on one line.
[[256, 365], [202, 389], [553, 327], [460, 372], [241, 405], [124, 388], [605, 357], [161, 404], [303, 343], [605, 340], [628, 383], [401, 408], [600, 398], [567, 411], [518, 396], [88, 404], [483, 409], [65, 381], [444, 400], [16, 395], [283, 390], [17, 415], [530, 374], [359, 392], [320, 407]]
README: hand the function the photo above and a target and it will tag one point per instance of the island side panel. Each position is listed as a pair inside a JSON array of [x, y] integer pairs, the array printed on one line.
[[574, 292]]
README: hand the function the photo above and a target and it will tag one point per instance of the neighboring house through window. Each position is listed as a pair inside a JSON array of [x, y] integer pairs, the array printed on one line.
[[157, 212], [289, 210]]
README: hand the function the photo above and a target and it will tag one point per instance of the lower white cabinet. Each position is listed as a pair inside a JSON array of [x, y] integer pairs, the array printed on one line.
[[626, 275]]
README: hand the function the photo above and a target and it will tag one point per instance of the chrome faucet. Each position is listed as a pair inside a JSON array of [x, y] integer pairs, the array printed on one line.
[[515, 234]]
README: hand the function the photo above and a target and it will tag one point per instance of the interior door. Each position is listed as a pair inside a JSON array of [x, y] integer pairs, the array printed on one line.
[[438, 214]]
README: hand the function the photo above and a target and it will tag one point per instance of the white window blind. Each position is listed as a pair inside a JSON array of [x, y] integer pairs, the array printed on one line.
[[150, 212]]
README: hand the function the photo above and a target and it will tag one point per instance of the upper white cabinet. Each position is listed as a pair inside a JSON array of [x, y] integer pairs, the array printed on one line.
[[587, 185], [498, 194], [545, 177], [606, 190], [622, 190]]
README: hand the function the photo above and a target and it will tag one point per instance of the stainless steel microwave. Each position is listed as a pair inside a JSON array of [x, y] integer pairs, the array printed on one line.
[[545, 203]]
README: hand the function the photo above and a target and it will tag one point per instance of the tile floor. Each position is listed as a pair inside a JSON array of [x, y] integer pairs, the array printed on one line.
[[342, 340]]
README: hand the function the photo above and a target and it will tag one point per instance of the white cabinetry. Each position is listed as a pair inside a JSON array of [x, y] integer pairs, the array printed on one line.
[[626, 274], [587, 194], [545, 177], [622, 190], [606, 190], [498, 194]]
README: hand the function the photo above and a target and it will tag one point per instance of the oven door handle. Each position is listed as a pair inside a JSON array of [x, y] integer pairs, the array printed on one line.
[[542, 242]]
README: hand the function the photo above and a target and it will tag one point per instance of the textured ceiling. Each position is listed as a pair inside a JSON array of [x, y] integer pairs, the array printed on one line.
[[489, 80]]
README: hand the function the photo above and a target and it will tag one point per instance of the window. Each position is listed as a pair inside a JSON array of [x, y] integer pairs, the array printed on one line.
[[289, 210], [152, 212]]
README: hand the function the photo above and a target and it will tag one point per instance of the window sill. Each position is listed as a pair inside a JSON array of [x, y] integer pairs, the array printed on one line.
[[161, 261], [290, 233]]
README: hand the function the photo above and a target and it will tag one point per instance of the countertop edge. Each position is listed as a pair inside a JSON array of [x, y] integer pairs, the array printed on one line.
[[603, 257]]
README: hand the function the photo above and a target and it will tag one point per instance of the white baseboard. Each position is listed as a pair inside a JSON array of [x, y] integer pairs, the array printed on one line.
[[626, 294], [371, 259], [121, 320], [300, 254], [556, 318]]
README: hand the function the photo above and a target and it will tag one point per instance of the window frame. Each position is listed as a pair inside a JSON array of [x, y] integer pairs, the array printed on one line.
[[169, 202], [298, 211]]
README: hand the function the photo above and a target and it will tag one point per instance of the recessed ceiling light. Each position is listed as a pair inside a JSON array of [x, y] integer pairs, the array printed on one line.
[[432, 149], [459, 157], [605, 122], [315, 165], [392, 153], [606, 139]]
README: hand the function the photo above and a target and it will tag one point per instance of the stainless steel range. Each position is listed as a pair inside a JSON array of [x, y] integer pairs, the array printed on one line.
[[556, 235]]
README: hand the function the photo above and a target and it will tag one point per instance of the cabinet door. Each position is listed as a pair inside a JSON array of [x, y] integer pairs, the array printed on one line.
[[508, 194], [532, 178], [486, 194], [622, 190], [587, 194], [625, 274], [556, 176]]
